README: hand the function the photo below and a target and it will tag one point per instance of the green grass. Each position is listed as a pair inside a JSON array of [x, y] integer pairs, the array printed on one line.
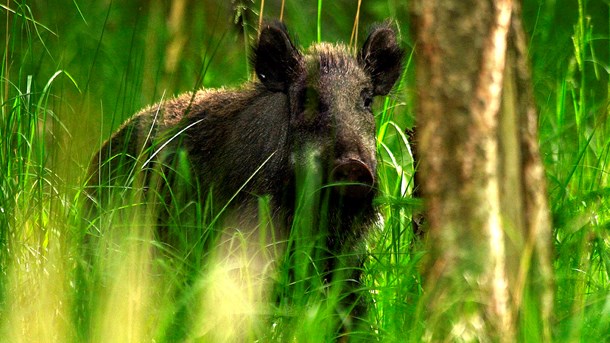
[[70, 75]]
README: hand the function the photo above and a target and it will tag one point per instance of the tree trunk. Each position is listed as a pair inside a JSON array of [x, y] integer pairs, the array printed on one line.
[[481, 174]]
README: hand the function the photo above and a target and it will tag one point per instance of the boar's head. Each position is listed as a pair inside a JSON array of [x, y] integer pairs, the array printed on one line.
[[330, 93]]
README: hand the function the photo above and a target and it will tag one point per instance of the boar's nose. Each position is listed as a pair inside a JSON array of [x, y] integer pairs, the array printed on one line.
[[356, 176]]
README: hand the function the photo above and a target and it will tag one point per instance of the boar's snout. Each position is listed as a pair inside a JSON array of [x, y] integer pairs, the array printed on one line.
[[355, 178]]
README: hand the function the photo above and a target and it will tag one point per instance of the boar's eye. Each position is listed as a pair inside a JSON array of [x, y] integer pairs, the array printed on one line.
[[311, 100], [367, 98]]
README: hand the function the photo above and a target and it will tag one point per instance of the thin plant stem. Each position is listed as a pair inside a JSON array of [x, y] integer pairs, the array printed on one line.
[[319, 21], [353, 39], [6, 51], [260, 16]]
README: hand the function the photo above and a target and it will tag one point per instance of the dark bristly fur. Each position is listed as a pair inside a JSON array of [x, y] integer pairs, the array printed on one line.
[[303, 104]]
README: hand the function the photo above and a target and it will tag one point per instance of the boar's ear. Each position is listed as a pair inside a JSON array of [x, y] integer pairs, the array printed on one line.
[[381, 57], [275, 59]]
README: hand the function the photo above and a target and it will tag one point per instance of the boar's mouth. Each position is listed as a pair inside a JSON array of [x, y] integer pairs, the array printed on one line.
[[353, 179]]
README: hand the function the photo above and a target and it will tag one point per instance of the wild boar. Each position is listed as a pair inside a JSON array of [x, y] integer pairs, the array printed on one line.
[[306, 117]]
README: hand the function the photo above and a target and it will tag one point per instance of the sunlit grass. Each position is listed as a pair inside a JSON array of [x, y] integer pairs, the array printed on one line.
[[575, 138]]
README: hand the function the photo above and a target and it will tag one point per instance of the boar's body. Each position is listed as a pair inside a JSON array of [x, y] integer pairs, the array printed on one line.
[[238, 135], [311, 107]]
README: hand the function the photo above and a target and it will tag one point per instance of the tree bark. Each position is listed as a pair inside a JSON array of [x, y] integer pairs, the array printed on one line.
[[481, 174]]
